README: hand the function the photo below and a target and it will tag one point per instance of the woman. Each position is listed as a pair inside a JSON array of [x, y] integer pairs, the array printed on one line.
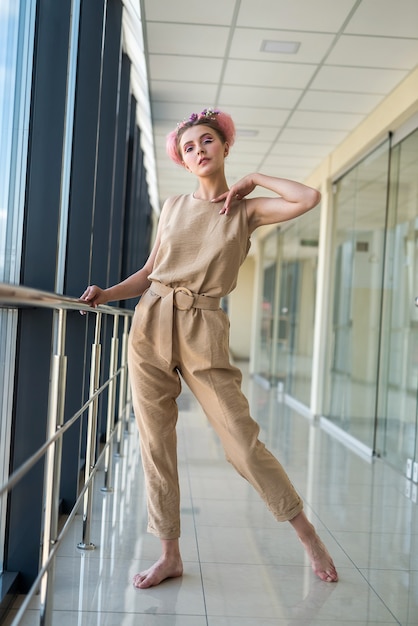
[[179, 328]]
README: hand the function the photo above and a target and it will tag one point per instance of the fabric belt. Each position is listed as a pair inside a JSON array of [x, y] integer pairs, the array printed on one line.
[[182, 299]]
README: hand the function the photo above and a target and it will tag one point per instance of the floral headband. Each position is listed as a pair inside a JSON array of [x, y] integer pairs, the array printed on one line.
[[208, 114]]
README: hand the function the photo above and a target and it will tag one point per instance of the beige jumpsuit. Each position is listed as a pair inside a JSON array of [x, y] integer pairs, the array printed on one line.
[[178, 327]]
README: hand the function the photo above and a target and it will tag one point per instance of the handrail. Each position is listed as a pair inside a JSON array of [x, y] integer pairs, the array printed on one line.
[[15, 297]]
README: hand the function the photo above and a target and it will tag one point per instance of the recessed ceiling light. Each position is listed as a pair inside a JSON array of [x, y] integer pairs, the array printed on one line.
[[280, 47]]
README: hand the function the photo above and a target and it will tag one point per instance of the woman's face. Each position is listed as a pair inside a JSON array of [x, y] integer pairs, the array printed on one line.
[[202, 150]]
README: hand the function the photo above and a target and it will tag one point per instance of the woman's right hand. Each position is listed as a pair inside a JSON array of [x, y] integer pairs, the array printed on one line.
[[93, 296]]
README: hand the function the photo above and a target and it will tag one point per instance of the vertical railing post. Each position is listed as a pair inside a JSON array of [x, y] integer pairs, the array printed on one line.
[[111, 406], [128, 400], [86, 544], [128, 405], [52, 471], [122, 386]]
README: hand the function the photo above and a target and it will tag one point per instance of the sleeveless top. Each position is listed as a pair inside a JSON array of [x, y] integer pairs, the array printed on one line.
[[201, 249]]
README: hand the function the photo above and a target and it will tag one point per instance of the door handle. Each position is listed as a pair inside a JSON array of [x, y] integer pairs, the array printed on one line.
[[416, 301]]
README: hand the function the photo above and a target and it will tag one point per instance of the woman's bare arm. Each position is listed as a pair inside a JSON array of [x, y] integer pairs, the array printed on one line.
[[292, 199]]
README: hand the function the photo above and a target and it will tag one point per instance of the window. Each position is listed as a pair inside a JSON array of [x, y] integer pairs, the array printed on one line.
[[16, 52]]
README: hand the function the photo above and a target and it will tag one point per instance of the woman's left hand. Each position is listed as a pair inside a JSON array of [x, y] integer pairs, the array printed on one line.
[[238, 191]]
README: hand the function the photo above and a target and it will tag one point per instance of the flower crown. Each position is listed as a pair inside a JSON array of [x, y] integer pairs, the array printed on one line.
[[208, 114]]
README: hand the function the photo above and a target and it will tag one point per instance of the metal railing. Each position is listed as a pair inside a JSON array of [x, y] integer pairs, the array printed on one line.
[[15, 297]]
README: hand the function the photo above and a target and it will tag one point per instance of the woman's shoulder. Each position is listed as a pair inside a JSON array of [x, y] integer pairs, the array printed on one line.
[[178, 198], [171, 201]]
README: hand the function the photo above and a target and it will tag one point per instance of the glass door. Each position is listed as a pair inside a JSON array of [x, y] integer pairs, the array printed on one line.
[[396, 435], [360, 200]]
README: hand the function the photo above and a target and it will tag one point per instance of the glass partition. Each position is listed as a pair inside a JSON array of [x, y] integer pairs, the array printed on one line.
[[286, 316], [299, 262], [371, 377], [360, 216], [398, 385]]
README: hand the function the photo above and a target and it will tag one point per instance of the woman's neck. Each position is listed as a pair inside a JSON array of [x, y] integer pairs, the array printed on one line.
[[209, 188]]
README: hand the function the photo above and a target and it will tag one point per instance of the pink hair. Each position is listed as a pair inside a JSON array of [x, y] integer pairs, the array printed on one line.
[[221, 122]]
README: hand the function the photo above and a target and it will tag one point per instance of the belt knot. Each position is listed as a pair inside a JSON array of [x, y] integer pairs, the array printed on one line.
[[180, 298]]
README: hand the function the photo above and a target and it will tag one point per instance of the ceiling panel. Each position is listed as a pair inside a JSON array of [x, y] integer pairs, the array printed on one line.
[[339, 102], [285, 172], [320, 16], [385, 17], [330, 121], [246, 116], [251, 160], [173, 67], [173, 111], [313, 135], [357, 79], [268, 73], [186, 12], [382, 52], [167, 91], [317, 150], [271, 97], [300, 160], [251, 146], [189, 39]]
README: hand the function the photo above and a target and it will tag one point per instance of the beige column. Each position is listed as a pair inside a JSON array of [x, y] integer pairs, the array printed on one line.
[[323, 304]]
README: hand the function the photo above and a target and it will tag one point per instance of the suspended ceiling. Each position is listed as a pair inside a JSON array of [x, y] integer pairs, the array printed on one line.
[[291, 108]]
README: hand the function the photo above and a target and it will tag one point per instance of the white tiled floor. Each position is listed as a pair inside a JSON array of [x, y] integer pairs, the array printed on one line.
[[241, 567]]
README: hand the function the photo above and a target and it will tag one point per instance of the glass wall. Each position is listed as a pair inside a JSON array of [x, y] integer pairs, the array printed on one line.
[[371, 373], [299, 264], [286, 317], [371, 376], [398, 385], [16, 47], [360, 216]]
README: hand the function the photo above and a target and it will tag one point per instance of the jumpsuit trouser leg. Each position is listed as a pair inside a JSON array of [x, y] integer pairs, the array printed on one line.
[[216, 384], [201, 354], [155, 388]]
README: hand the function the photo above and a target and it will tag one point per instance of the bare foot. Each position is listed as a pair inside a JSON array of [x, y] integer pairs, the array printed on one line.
[[321, 561], [165, 567]]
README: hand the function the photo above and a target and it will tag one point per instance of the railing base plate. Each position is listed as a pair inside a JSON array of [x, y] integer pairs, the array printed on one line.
[[86, 546]]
